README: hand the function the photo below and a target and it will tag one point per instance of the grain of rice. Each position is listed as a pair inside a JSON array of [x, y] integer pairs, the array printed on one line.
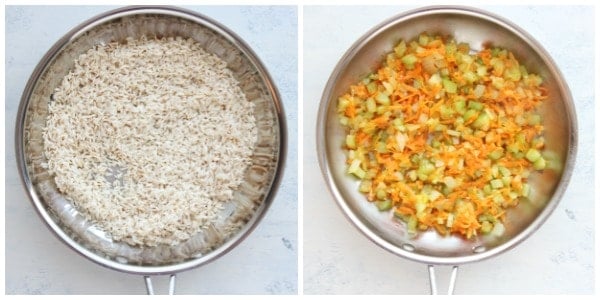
[[149, 138]]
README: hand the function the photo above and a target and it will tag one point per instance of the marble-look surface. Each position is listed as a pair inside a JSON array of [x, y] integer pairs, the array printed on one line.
[[557, 259], [264, 263]]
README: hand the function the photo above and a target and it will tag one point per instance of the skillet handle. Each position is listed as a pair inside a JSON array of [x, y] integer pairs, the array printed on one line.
[[150, 289], [432, 281]]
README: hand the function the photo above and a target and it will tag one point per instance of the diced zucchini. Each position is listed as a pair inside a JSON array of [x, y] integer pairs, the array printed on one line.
[[412, 224], [525, 190], [470, 115], [513, 148], [496, 154], [504, 171], [371, 105], [486, 227], [478, 91], [532, 155], [498, 199], [344, 120], [482, 122], [424, 39], [343, 103], [538, 142], [464, 48], [389, 87], [449, 86], [446, 112], [356, 170], [382, 147], [534, 80], [539, 164], [450, 49], [513, 73], [470, 76], [412, 175], [498, 229], [365, 186], [498, 66], [372, 87], [450, 221], [494, 170], [460, 105], [481, 71], [425, 167], [409, 61], [506, 180], [435, 79], [383, 98], [496, 183], [351, 141], [534, 119], [400, 49], [487, 189], [498, 82], [475, 105], [384, 205], [380, 193]]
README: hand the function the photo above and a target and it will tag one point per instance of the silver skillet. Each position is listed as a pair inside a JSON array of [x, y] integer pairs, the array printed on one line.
[[477, 28], [250, 202]]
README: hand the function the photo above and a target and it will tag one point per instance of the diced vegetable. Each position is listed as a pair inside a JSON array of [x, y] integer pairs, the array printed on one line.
[[434, 80], [513, 73], [355, 169], [498, 229], [383, 98], [400, 49], [470, 77], [526, 190], [534, 119], [496, 154], [475, 105], [409, 61], [365, 186], [532, 155], [449, 86], [351, 141], [470, 115], [486, 227], [539, 164], [482, 122], [460, 105], [496, 183], [371, 105], [383, 205], [479, 90]]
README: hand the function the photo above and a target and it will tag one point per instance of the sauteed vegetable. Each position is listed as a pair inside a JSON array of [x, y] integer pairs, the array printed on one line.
[[444, 136]]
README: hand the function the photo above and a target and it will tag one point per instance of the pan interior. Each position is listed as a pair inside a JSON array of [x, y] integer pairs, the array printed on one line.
[[252, 197], [476, 29]]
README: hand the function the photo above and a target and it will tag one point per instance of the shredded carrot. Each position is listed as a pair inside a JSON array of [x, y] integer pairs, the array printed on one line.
[[448, 136]]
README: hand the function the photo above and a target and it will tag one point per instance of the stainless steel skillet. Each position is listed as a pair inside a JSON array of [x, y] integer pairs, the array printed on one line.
[[477, 28], [251, 201]]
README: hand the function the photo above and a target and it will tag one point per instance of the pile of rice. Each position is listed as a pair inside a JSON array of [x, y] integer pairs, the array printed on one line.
[[149, 138]]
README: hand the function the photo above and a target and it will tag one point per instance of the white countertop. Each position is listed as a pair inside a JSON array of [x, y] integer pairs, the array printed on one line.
[[264, 263], [557, 259]]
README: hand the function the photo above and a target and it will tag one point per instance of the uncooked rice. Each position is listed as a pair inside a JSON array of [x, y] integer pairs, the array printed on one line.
[[149, 138]]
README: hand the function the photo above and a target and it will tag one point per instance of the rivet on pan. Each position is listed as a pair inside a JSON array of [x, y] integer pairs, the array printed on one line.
[[408, 247], [478, 249]]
